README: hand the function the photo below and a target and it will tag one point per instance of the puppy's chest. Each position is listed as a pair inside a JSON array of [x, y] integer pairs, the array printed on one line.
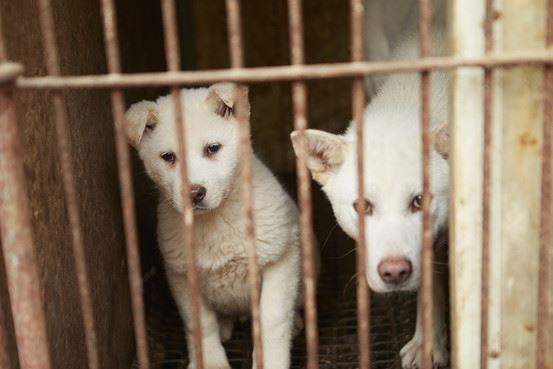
[[223, 266], [220, 246]]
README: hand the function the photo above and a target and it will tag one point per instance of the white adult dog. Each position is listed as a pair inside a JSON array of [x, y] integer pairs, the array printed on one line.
[[212, 135], [393, 186]]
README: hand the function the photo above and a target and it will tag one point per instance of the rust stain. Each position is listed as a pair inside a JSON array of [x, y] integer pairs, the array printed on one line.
[[494, 354], [529, 327], [527, 139]]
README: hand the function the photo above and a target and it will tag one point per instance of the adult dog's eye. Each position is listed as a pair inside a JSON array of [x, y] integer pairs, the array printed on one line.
[[211, 149], [169, 157], [416, 204], [366, 207]]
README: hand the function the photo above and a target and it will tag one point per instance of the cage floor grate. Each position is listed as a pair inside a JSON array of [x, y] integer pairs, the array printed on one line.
[[392, 324]]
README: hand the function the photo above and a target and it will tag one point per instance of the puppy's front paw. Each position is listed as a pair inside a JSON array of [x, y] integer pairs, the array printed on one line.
[[411, 354], [225, 329]]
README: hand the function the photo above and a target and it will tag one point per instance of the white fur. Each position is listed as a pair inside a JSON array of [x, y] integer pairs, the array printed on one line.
[[220, 225], [393, 177], [386, 24]]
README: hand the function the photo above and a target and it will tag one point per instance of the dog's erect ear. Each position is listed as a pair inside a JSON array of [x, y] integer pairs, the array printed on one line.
[[140, 119], [440, 140], [325, 152], [229, 99]]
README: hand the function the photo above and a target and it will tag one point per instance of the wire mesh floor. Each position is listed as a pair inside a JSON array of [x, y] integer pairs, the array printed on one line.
[[392, 324]]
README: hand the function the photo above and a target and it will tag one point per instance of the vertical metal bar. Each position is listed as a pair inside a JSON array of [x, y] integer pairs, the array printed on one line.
[[4, 355], [426, 287], [17, 242], [125, 182], [236, 48], [486, 162], [545, 211], [254, 277], [172, 55], [18, 245], [299, 99], [5, 360], [358, 106], [71, 198]]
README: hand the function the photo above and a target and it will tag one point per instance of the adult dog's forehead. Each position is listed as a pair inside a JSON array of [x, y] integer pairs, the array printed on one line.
[[388, 169]]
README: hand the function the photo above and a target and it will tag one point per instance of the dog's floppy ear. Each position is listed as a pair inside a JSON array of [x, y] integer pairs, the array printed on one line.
[[140, 119], [324, 152], [229, 99], [440, 140]]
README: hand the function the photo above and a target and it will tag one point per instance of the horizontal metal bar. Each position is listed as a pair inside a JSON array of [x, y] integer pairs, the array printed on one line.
[[9, 71], [279, 73]]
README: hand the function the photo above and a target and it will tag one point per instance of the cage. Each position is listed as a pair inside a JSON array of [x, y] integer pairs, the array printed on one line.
[[77, 291]]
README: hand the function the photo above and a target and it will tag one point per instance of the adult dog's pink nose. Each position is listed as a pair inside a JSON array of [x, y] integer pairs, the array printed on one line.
[[395, 270]]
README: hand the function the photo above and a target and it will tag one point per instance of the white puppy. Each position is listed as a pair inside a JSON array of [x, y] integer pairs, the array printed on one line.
[[212, 137], [393, 186]]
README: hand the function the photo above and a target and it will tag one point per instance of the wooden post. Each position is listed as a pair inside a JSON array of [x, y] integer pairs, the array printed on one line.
[[515, 193], [466, 117]]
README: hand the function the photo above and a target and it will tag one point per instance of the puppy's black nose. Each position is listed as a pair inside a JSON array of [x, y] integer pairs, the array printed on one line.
[[197, 193], [395, 270]]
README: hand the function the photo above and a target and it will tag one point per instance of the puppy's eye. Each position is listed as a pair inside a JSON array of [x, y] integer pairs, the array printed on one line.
[[211, 149], [416, 204], [366, 207], [169, 157]]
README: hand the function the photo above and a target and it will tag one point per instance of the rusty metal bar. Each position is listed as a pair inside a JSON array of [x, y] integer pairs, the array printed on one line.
[[18, 245], [486, 160], [281, 73], [299, 100], [9, 72], [172, 55], [5, 360], [236, 48], [51, 54], [254, 277], [358, 106], [546, 205], [426, 285], [125, 182], [17, 241]]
